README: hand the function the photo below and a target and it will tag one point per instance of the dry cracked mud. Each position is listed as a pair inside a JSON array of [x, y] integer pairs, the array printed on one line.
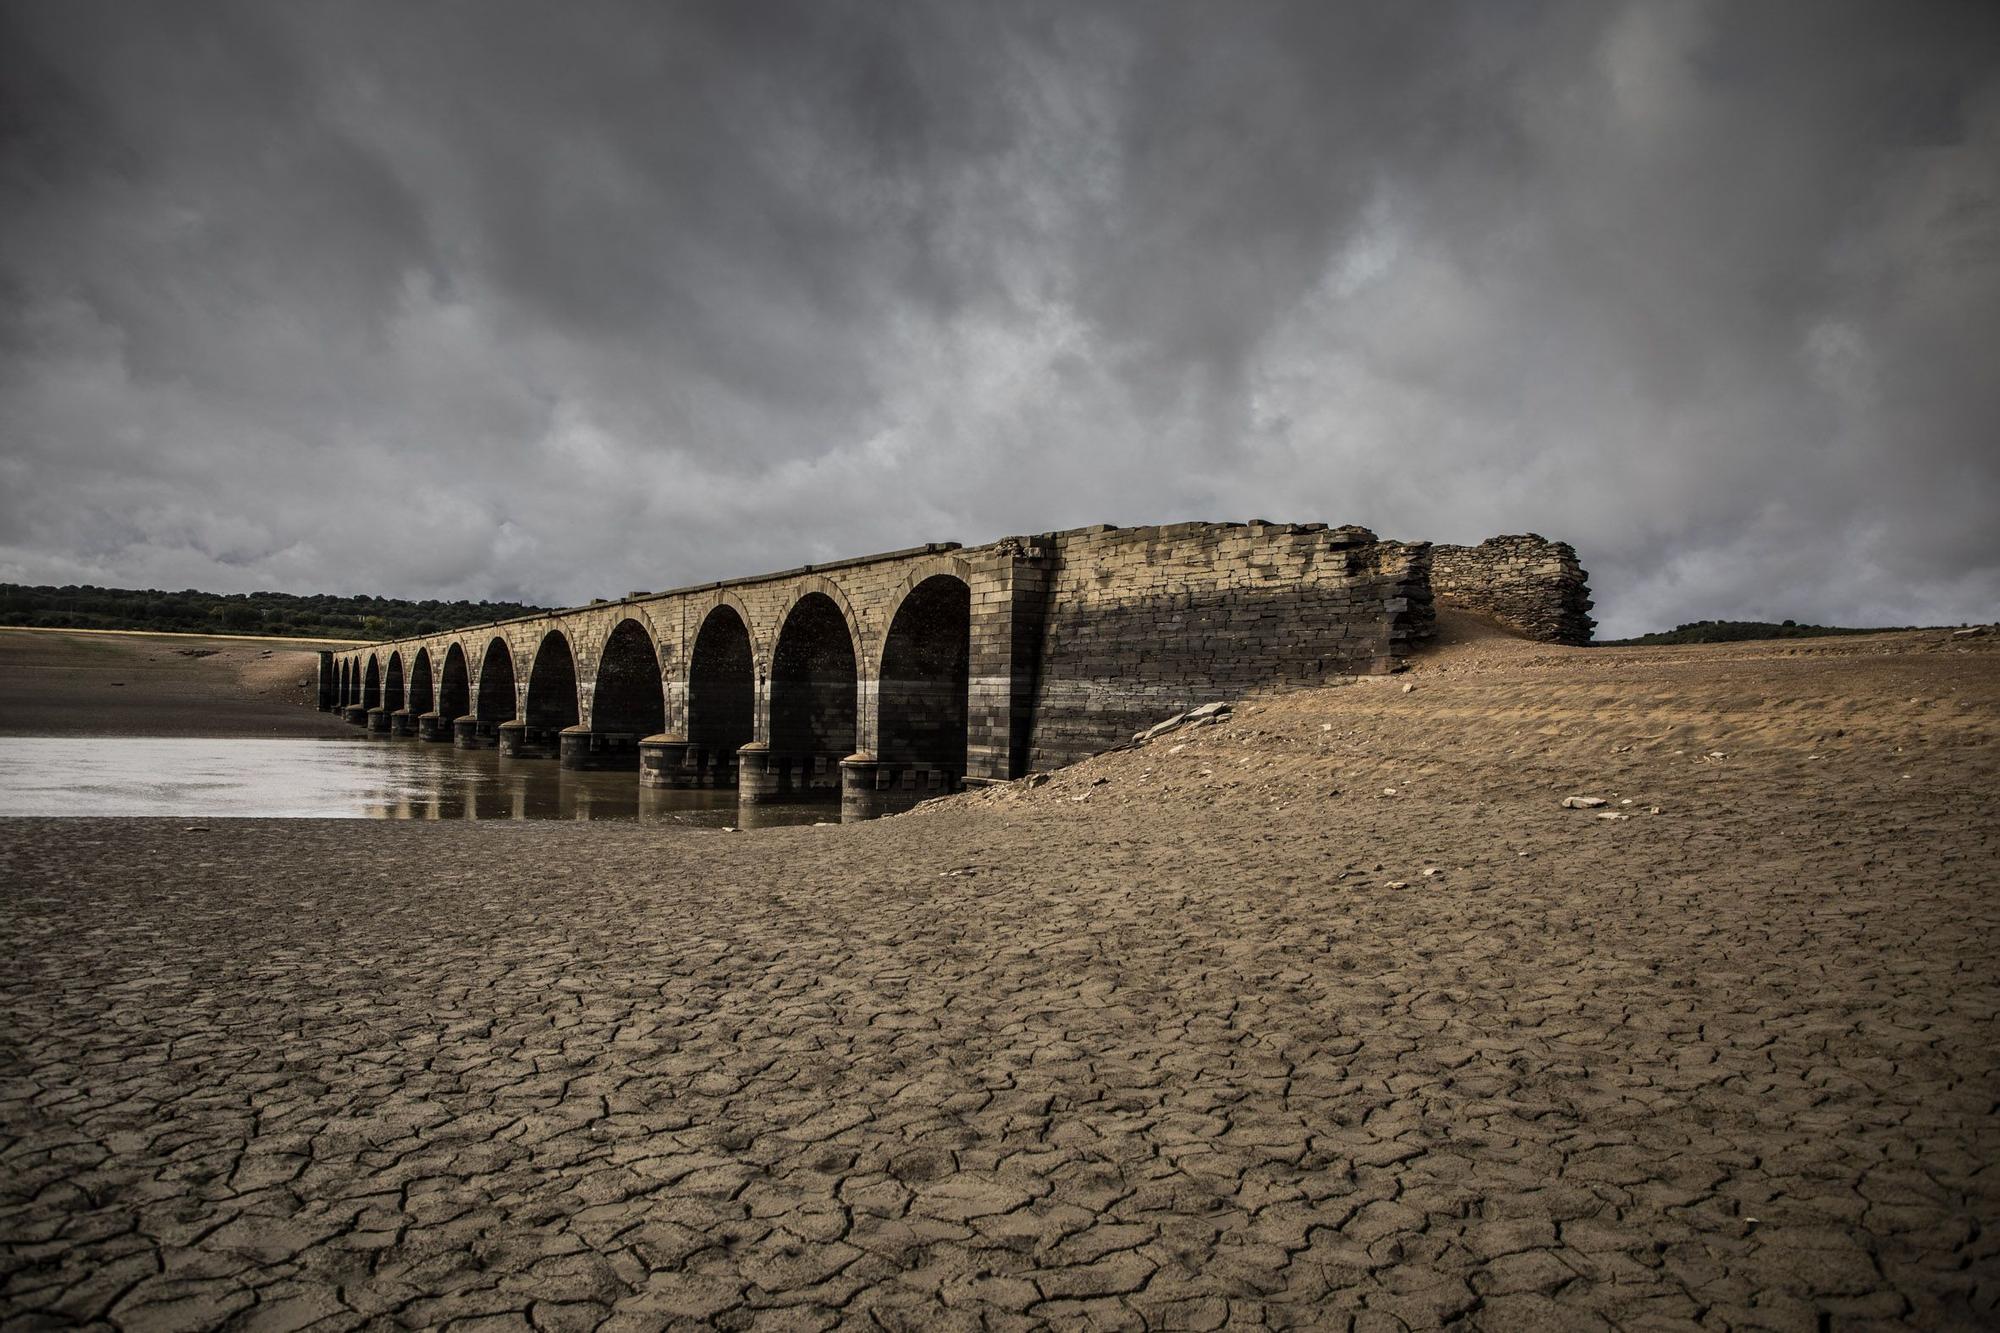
[[1152, 1044]]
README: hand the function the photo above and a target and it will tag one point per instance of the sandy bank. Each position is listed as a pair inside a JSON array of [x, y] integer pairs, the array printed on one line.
[[81, 683]]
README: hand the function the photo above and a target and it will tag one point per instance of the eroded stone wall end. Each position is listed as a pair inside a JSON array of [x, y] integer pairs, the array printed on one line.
[[1010, 584], [1524, 581], [1142, 623]]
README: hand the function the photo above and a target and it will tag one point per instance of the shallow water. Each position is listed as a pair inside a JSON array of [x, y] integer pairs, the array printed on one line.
[[338, 779]]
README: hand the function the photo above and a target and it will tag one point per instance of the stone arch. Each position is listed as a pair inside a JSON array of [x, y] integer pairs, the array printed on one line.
[[760, 651], [421, 694], [819, 584], [392, 684], [922, 680], [629, 697], [496, 702], [454, 689], [922, 571], [721, 691], [552, 696], [815, 694], [371, 684]]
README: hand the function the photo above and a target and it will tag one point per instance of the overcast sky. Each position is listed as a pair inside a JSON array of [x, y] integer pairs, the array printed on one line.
[[562, 300]]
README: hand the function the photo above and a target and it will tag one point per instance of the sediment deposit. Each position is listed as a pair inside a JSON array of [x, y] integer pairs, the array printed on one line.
[[91, 683]]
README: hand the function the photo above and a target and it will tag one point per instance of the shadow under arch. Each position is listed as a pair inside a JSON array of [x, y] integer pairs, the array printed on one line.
[[427, 721], [418, 700], [494, 705], [454, 690], [923, 695], [392, 684], [721, 698], [628, 702], [371, 685], [551, 706], [815, 700]]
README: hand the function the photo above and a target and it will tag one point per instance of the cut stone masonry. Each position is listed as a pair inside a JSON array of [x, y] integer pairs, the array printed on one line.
[[886, 679]]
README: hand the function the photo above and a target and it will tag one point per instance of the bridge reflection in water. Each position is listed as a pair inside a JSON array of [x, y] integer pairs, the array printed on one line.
[[306, 779], [481, 784]]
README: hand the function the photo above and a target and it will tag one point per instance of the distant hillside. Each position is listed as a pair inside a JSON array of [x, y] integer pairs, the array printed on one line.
[[1739, 631], [320, 616]]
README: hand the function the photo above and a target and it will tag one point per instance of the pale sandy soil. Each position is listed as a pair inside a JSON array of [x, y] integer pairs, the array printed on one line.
[[58, 683], [1157, 1043]]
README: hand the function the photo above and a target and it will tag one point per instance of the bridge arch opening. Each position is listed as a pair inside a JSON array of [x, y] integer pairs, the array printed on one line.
[[371, 684], [496, 684], [923, 693], [551, 689], [629, 699], [454, 697], [350, 683], [392, 684], [420, 682], [814, 696], [722, 695], [487, 705]]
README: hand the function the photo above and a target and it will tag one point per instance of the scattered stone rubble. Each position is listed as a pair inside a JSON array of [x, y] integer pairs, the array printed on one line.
[[1204, 716], [1525, 581]]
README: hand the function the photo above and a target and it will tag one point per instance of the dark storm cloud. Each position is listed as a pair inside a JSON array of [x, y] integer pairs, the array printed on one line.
[[555, 301]]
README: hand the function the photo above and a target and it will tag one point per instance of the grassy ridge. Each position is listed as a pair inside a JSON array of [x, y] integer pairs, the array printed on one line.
[[319, 616], [1741, 631]]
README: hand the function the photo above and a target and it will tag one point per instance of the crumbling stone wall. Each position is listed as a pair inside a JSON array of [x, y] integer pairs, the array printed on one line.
[[1142, 623], [1525, 581]]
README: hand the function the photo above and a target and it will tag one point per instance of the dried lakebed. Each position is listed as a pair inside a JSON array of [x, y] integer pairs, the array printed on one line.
[[1154, 1043]]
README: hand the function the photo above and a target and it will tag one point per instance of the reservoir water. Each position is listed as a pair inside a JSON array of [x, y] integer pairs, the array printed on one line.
[[339, 779]]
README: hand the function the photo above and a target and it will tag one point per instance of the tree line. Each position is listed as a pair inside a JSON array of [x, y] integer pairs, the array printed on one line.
[[1740, 631], [317, 616]]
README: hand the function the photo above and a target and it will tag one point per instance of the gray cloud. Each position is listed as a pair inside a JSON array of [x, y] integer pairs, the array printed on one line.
[[560, 301]]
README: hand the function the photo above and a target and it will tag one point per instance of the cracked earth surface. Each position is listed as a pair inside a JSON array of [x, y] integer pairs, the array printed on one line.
[[1155, 1044]]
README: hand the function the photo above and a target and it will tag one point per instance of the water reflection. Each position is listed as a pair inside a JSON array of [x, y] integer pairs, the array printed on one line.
[[359, 779]]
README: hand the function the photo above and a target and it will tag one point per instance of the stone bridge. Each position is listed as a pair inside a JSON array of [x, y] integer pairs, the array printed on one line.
[[883, 680]]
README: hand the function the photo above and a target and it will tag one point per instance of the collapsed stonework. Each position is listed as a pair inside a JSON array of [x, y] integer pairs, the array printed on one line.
[[1526, 582], [1142, 623]]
